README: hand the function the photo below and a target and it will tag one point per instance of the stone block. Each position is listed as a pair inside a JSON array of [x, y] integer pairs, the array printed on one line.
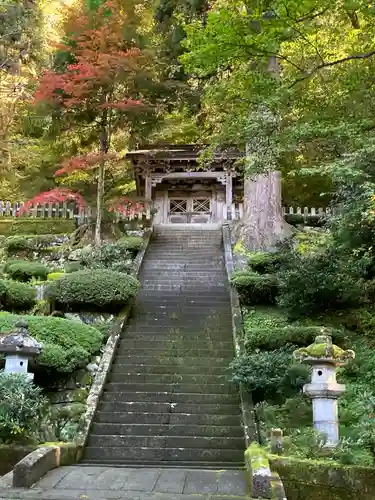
[[35, 465]]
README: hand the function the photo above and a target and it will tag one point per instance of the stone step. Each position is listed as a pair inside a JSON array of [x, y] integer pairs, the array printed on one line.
[[179, 352], [173, 360], [173, 317], [200, 334], [167, 464], [145, 456], [167, 429], [182, 387], [202, 442], [176, 369], [216, 298], [182, 286], [178, 343], [201, 409], [175, 419], [165, 397], [201, 266], [166, 378]]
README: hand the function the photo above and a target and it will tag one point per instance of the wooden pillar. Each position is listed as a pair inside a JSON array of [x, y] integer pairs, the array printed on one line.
[[229, 194], [148, 187]]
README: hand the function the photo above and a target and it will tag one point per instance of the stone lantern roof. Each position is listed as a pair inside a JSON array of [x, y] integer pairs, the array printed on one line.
[[323, 351], [20, 341]]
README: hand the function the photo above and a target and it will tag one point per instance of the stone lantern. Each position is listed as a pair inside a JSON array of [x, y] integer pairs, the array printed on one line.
[[324, 357], [18, 347]]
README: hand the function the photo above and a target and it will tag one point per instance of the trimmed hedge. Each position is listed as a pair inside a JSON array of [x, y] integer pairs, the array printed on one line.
[[72, 266], [255, 288], [36, 226], [16, 296], [95, 289], [264, 262], [24, 270], [131, 243], [32, 243], [55, 275], [276, 338], [311, 220], [67, 344]]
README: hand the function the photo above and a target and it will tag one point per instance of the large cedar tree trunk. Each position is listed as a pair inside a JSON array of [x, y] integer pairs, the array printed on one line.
[[262, 225]]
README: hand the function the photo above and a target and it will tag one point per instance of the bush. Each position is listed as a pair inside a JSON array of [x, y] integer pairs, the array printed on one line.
[[255, 288], [15, 296], [98, 289], [72, 266], [109, 255], [55, 276], [131, 243], [275, 338], [319, 283], [23, 270], [270, 375], [264, 262], [32, 243], [265, 317], [22, 408], [36, 226], [67, 344]]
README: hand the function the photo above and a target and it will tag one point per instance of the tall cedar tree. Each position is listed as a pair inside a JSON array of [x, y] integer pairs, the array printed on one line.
[[99, 85]]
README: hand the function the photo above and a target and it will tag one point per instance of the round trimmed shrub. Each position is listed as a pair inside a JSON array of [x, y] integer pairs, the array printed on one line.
[[96, 289], [67, 344], [24, 270], [16, 296], [254, 288], [131, 243], [264, 262], [72, 266]]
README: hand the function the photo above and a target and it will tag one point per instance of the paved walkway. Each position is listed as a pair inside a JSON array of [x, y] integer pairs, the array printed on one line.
[[110, 483]]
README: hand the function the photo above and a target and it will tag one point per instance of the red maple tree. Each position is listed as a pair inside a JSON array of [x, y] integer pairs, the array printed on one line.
[[99, 87]]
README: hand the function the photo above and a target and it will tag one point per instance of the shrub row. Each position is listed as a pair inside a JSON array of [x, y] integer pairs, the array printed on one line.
[[68, 344], [32, 243], [97, 289], [24, 270], [15, 296], [254, 288], [275, 338], [36, 226]]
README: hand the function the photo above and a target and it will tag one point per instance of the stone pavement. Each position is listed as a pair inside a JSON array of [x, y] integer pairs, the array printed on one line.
[[110, 483]]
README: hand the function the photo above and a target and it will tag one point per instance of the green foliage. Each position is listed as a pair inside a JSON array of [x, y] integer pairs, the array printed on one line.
[[265, 317], [276, 338], [22, 408], [255, 288], [311, 220], [97, 289], [55, 276], [15, 296], [68, 344], [72, 266], [319, 283], [112, 256], [36, 226], [31, 243], [270, 375], [264, 262], [24, 270], [131, 243]]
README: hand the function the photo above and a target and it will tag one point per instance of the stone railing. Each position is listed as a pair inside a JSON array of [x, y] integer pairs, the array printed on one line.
[[306, 212]]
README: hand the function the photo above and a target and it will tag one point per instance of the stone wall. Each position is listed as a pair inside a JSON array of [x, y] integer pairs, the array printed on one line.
[[11, 454], [318, 480]]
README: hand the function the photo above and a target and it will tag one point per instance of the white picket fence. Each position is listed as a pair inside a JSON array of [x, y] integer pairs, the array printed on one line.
[[237, 211], [64, 210]]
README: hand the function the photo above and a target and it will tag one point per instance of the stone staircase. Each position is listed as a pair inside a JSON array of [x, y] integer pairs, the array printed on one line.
[[168, 400]]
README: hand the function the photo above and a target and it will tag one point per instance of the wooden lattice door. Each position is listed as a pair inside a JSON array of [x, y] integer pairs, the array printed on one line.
[[187, 210]]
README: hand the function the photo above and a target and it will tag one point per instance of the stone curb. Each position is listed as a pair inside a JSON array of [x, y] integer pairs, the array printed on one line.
[[262, 481], [251, 433]]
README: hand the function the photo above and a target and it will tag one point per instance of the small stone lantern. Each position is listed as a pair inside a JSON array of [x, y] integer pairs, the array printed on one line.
[[324, 390], [18, 347]]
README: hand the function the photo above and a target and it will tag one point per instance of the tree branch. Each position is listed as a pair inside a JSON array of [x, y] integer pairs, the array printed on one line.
[[367, 55]]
